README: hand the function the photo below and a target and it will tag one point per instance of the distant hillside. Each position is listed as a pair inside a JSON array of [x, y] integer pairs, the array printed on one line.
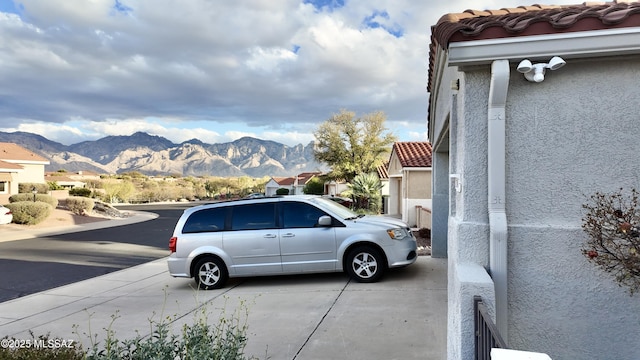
[[153, 155]]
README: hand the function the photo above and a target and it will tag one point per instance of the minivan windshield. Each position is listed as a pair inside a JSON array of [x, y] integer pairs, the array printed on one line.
[[343, 212]]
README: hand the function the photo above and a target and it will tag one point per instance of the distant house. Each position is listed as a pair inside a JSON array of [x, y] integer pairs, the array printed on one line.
[[334, 187], [18, 165], [279, 183], [409, 174], [302, 179], [63, 180], [295, 184]]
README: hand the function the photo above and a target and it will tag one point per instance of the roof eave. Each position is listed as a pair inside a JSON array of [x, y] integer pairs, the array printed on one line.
[[608, 42], [27, 162]]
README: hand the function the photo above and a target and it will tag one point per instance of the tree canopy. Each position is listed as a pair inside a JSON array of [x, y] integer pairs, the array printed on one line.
[[353, 145]]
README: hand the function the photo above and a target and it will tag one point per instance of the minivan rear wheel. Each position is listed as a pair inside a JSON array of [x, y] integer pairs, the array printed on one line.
[[210, 273], [365, 264]]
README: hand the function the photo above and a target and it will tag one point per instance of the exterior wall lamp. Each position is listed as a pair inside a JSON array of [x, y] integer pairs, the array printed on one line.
[[535, 72]]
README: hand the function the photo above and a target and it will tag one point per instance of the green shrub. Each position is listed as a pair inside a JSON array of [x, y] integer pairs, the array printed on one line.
[[53, 202], [44, 352], [80, 192], [315, 186], [282, 191], [29, 212], [225, 340], [25, 188], [80, 205], [53, 185]]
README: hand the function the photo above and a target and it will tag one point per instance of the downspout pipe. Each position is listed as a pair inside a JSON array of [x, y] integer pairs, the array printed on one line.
[[496, 170]]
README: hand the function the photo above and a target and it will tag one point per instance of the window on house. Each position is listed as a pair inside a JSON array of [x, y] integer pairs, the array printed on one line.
[[4, 187]]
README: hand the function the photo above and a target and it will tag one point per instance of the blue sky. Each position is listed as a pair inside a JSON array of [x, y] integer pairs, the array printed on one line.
[[78, 70]]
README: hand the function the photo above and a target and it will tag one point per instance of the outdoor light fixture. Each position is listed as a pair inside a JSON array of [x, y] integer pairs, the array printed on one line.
[[535, 72]]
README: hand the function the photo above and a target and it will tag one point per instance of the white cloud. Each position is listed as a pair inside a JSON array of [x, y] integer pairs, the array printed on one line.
[[107, 66]]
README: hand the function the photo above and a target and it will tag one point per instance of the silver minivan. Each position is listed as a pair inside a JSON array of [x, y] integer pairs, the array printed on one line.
[[285, 235]]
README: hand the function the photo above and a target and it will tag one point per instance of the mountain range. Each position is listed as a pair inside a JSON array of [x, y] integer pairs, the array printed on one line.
[[155, 155]]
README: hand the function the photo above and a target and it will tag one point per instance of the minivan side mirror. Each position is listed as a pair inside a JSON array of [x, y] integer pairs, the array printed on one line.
[[325, 220]]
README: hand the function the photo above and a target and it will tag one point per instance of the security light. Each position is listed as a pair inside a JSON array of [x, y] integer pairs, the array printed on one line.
[[535, 72]]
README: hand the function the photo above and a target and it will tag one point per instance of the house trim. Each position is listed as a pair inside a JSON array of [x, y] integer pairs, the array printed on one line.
[[416, 169], [609, 42]]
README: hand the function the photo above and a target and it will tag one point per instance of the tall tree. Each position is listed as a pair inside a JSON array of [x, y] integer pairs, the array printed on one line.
[[351, 145]]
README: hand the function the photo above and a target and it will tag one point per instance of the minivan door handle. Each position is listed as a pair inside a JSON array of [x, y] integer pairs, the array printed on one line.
[[288, 235], [270, 236]]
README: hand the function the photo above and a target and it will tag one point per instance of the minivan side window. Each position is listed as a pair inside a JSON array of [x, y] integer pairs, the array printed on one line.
[[253, 217], [206, 220], [300, 215]]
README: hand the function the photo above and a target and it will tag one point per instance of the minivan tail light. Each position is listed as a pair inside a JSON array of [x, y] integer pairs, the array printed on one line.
[[173, 242]]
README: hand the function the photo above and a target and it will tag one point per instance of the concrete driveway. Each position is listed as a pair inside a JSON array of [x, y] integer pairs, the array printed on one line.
[[322, 316]]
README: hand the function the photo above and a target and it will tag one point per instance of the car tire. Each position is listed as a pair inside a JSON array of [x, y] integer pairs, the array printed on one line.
[[210, 273], [365, 264]]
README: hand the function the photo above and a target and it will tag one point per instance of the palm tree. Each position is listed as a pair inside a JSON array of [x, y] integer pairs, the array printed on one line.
[[365, 190]]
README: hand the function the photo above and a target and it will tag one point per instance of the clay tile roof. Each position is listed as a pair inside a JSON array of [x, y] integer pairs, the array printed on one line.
[[15, 153], [284, 180], [413, 154], [303, 178], [530, 20], [383, 171]]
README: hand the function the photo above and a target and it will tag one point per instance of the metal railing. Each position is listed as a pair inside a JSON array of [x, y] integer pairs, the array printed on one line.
[[487, 335]]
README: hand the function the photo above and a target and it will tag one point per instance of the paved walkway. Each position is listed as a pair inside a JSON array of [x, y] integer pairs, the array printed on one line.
[[322, 316]]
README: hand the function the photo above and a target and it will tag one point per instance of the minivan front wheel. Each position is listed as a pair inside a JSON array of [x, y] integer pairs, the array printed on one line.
[[210, 273], [365, 264]]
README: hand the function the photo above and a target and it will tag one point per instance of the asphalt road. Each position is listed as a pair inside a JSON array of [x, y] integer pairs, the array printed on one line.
[[33, 265]]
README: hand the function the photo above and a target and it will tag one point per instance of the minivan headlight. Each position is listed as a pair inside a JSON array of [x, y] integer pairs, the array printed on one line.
[[396, 234]]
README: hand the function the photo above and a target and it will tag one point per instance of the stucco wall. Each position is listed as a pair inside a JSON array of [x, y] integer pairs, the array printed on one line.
[[567, 137], [31, 173], [418, 184], [572, 135]]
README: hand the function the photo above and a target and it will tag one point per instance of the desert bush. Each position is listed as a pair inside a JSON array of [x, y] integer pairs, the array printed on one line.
[[41, 348], [53, 185], [79, 191], [282, 191], [53, 202], [612, 223], [29, 187], [424, 233], [79, 205], [225, 340], [29, 212]]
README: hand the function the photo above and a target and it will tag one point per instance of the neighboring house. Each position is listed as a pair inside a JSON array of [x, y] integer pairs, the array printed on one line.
[[279, 183], [18, 165], [70, 180], [295, 184], [409, 175], [63, 180], [383, 175], [302, 179], [84, 175], [515, 160], [335, 187]]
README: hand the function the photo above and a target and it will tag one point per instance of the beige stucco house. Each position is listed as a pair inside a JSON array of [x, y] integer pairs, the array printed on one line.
[[18, 165], [532, 110], [409, 173]]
